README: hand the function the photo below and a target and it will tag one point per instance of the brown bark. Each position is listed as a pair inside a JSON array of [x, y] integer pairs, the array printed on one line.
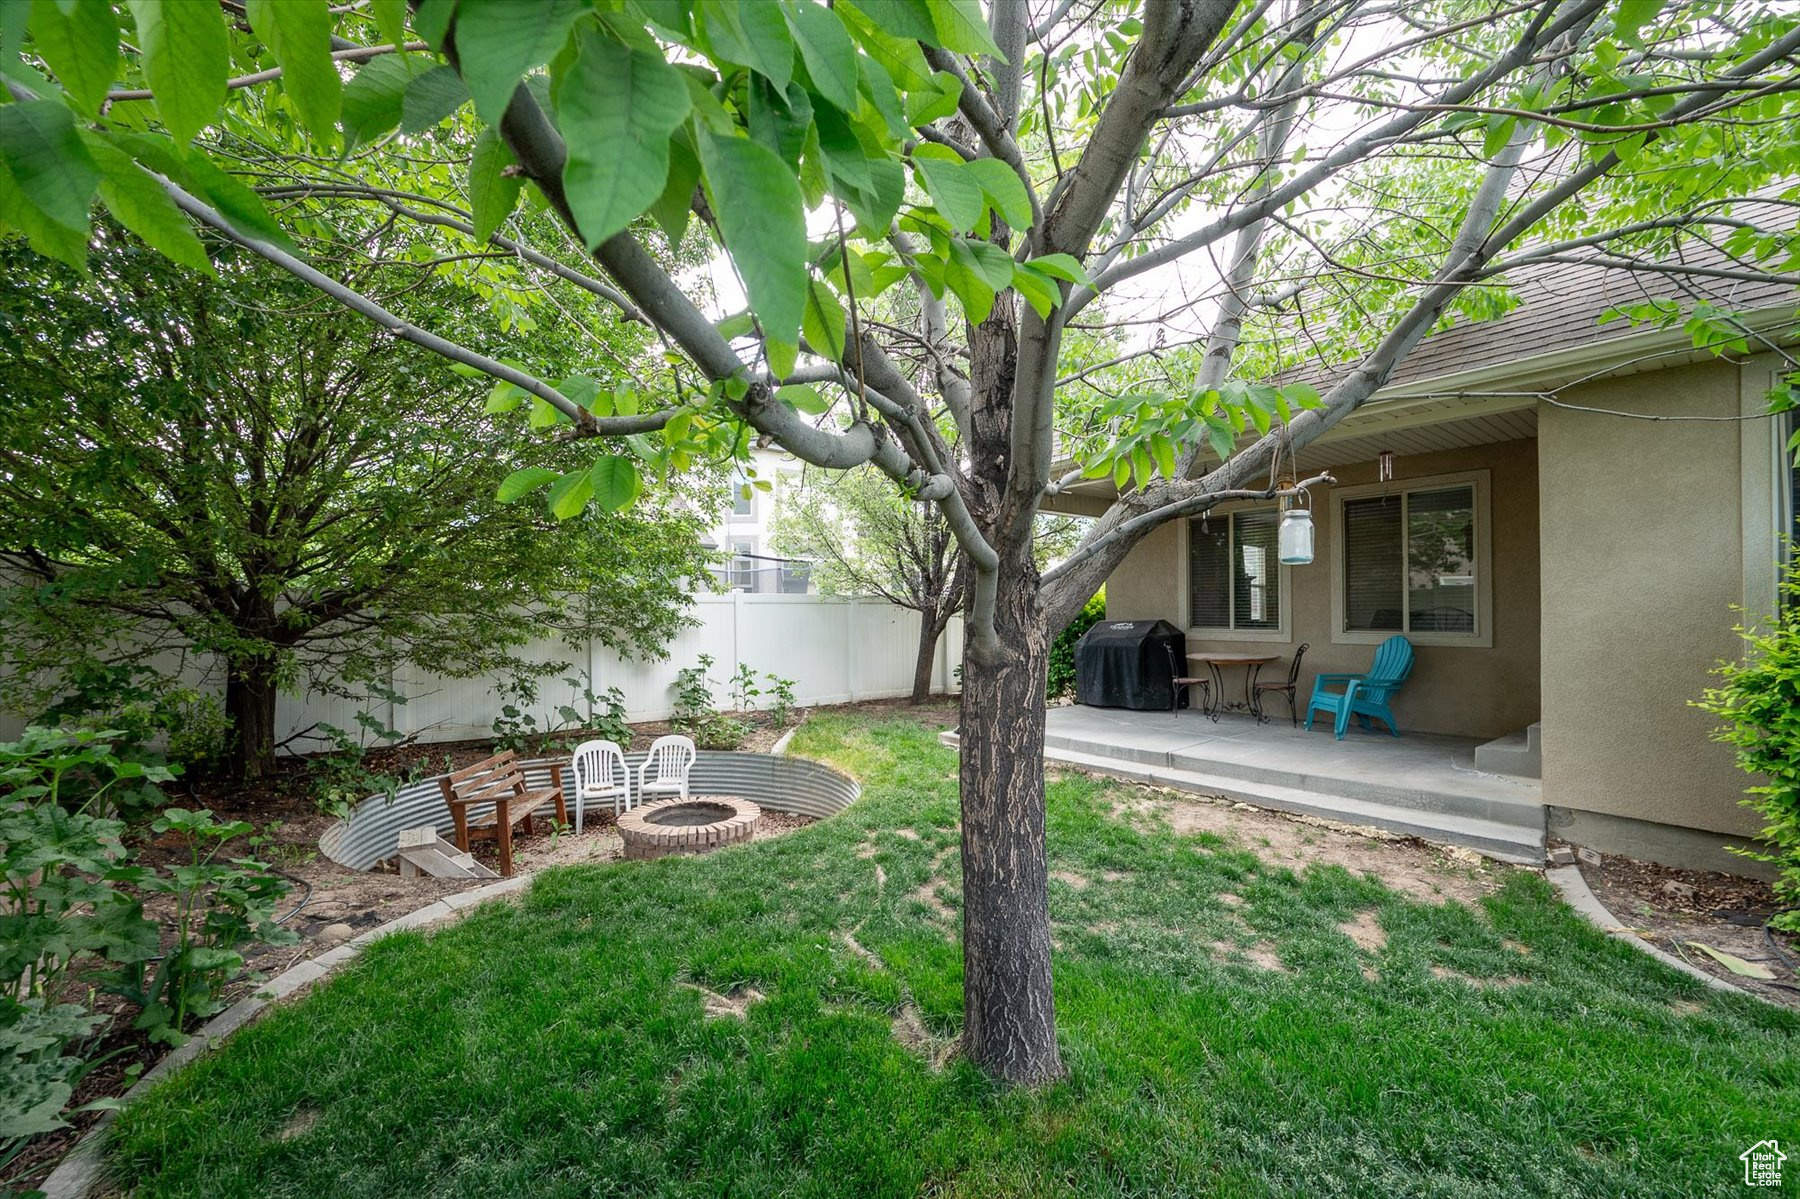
[[250, 703], [1009, 1011], [929, 633]]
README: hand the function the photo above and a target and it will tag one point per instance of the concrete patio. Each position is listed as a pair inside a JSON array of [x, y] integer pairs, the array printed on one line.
[[1421, 785]]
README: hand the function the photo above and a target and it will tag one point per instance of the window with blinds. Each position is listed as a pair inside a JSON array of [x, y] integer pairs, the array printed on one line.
[[1409, 562], [1234, 574]]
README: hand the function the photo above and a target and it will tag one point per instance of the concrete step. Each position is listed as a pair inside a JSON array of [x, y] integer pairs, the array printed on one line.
[[1475, 796], [1518, 836], [1518, 754], [1508, 841]]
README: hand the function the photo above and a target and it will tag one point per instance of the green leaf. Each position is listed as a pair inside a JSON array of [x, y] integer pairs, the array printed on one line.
[[1499, 132], [505, 397], [935, 102], [431, 98], [376, 96], [1062, 266], [823, 321], [751, 35], [186, 60], [1164, 452], [570, 494], [298, 33], [966, 275], [498, 41], [138, 202], [803, 399], [492, 192], [614, 481], [617, 107], [44, 235], [1004, 189], [907, 20], [543, 415], [1302, 395], [962, 28], [390, 20], [1039, 291], [757, 202], [237, 203], [676, 203], [81, 47], [523, 482], [828, 52], [431, 21], [995, 263], [1220, 437], [48, 161], [955, 192]]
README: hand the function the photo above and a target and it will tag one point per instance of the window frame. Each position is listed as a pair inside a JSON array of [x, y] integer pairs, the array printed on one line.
[[1283, 632], [1483, 635]]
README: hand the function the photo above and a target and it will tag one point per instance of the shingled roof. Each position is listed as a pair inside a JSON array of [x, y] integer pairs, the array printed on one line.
[[1561, 305]]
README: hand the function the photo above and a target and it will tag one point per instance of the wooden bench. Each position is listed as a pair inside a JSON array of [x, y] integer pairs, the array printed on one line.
[[488, 798]]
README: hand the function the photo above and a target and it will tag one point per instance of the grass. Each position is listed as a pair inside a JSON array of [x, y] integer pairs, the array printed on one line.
[[551, 1047]]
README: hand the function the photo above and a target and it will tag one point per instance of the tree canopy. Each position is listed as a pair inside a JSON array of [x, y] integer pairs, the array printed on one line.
[[226, 467], [1119, 218]]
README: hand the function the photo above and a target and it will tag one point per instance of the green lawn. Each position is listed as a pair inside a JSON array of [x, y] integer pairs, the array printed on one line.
[[551, 1048]]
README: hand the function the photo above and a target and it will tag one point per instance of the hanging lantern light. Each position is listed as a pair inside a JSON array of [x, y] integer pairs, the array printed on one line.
[[1296, 537]]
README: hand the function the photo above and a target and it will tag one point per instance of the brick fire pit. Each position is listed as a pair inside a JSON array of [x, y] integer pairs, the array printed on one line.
[[697, 824]]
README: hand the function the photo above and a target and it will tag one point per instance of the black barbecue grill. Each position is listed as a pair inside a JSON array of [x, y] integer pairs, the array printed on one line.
[[1130, 664]]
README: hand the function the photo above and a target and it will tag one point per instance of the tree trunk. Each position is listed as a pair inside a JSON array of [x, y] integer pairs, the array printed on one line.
[[250, 703], [926, 666], [1009, 1013]]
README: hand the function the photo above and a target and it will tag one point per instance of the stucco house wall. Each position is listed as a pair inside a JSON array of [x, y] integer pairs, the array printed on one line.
[[1646, 526], [1459, 690]]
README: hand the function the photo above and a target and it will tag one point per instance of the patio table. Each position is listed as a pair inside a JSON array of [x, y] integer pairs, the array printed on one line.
[[1252, 664]]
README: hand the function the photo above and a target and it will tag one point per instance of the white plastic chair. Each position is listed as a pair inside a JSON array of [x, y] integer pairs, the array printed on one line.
[[665, 768], [600, 773]]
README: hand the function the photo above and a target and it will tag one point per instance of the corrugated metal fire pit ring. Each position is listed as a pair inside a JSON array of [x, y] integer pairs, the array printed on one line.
[[775, 783], [697, 824]]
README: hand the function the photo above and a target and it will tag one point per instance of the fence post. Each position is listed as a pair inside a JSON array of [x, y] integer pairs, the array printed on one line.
[[850, 650], [737, 632]]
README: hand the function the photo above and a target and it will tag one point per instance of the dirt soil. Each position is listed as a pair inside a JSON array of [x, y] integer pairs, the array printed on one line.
[[1425, 872], [1669, 908]]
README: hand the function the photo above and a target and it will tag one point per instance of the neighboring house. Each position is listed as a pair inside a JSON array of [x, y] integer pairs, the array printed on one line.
[[1557, 567], [743, 529]]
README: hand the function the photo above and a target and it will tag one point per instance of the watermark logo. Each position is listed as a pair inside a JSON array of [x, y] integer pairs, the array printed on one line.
[[1762, 1164]]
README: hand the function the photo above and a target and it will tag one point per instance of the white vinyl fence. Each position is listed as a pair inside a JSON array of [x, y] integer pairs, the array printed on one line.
[[835, 651]]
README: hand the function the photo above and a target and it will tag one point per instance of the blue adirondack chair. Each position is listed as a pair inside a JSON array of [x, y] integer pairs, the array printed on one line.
[[1364, 695]]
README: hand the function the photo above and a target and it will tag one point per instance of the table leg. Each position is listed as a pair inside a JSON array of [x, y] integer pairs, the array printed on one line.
[[1216, 693]]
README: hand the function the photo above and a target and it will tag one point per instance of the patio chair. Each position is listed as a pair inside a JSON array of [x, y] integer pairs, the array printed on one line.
[[600, 774], [1182, 682], [1289, 689], [665, 768], [1364, 695]]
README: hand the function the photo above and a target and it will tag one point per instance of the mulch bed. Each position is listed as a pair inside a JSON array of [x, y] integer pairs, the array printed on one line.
[[1670, 907]]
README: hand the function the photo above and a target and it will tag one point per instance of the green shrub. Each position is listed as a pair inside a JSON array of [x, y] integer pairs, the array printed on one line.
[[137, 707], [68, 923], [1061, 678], [695, 706], [1759, 701], [221, 907]]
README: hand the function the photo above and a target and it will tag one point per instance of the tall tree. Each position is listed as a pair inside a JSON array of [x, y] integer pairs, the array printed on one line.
[[228, 467], [867, 538], [1073, 164]]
